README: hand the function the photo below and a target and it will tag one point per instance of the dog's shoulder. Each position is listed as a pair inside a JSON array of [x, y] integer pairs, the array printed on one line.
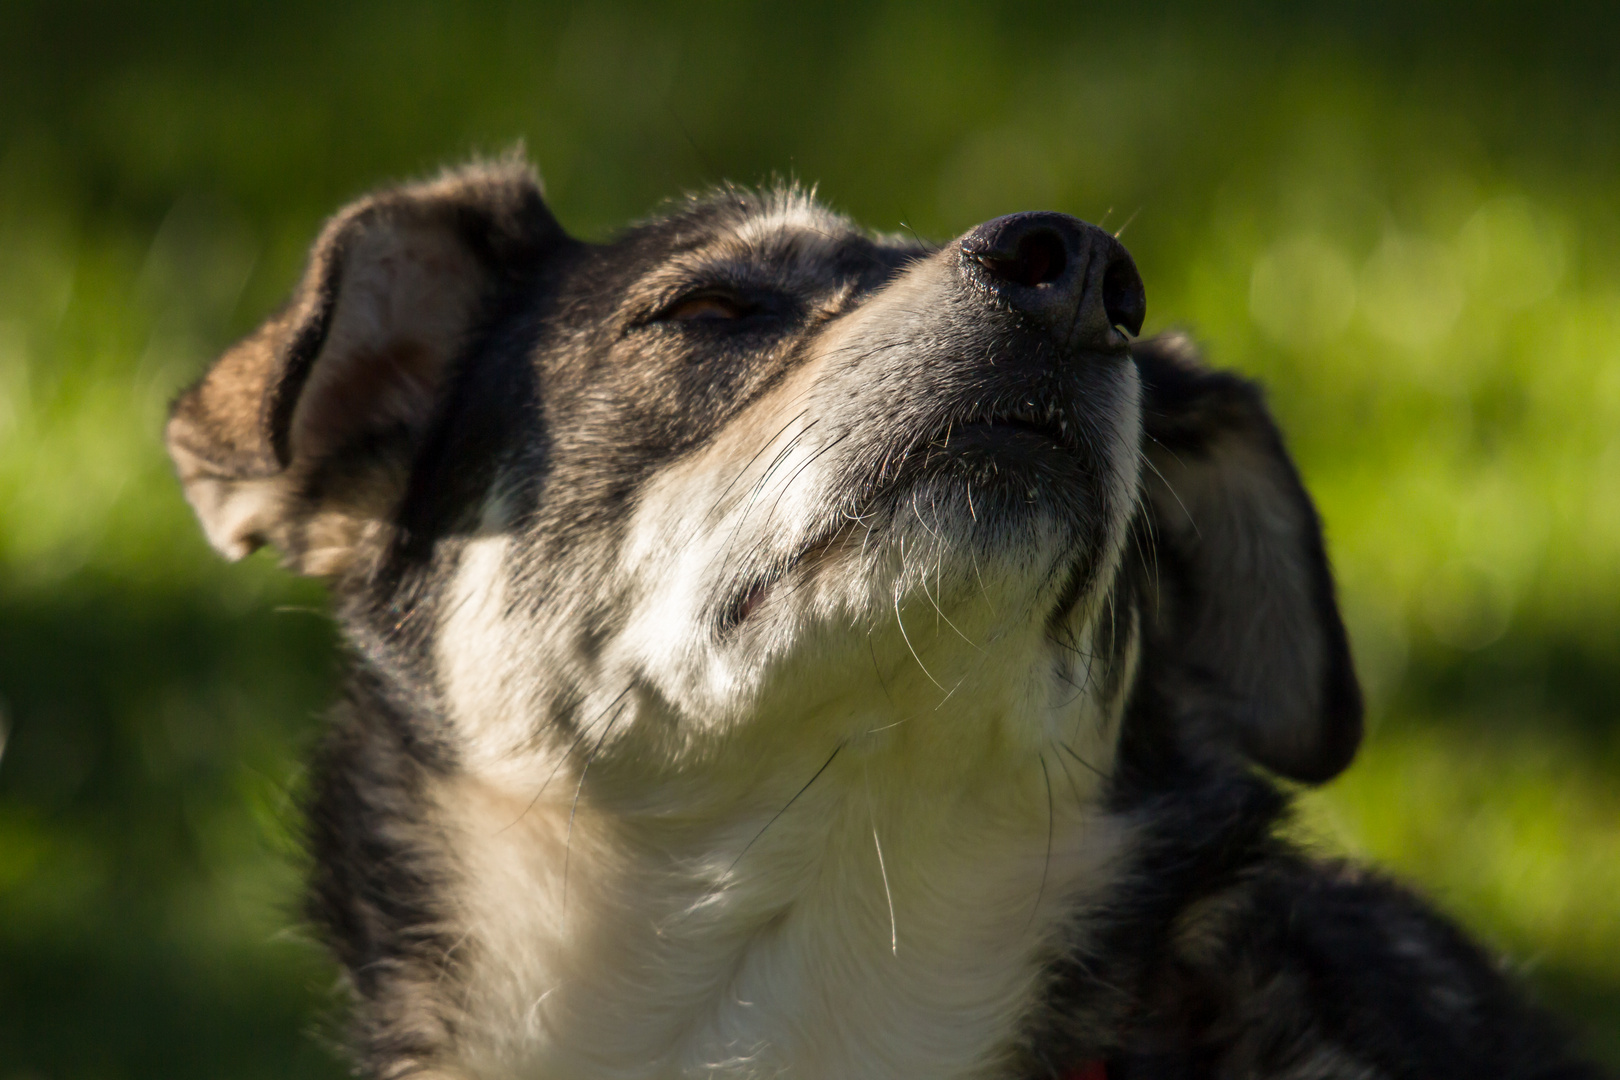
[[1233, 952], [1324, 969]]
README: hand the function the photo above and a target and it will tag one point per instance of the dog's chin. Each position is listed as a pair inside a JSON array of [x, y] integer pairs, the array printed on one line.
[[1003, 513], [1001, 496]]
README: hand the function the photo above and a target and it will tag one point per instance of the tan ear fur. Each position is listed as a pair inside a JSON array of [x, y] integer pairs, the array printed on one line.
[[302, 434], [1244, 614]]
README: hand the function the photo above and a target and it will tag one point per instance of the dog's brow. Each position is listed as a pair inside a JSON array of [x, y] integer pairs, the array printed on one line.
[[787, 260], [791, 212], [784, 244], [710, 268], [775, 240]]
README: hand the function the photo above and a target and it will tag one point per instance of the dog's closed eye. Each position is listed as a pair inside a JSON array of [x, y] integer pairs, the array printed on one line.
[[707, 307]]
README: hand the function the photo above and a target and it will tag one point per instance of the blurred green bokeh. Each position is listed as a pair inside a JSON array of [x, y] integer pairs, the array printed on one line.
[[1404, 216]]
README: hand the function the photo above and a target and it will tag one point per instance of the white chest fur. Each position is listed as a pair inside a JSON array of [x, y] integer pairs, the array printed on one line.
[[878, 927]]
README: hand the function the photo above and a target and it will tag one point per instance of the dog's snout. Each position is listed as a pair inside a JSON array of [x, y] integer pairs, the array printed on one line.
[[1029, 252], [1070, 274], [1124, 299]]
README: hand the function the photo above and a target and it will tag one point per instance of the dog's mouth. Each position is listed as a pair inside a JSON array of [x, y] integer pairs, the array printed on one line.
[[1032, 452], [1005, 437], [1030, 427]]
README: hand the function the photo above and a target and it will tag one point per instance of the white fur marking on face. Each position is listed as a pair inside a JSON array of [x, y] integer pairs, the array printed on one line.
[[724, 509], [487, 685]]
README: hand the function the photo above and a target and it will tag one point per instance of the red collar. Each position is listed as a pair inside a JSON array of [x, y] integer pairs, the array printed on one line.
[[1091, 1070]]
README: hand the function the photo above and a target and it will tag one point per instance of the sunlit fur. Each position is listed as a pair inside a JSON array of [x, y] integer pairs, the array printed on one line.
[[662, 889], [867, 679]]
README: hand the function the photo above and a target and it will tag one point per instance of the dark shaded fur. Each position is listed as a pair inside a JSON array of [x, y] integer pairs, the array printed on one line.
[[1233, 954], [1187, 407], [374, 888], [1223, 952]]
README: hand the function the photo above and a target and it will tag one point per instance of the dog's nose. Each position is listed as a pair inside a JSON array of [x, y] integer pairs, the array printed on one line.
[[1072, 275]]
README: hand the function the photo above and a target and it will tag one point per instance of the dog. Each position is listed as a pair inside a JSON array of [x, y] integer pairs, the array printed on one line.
[[780, 649]]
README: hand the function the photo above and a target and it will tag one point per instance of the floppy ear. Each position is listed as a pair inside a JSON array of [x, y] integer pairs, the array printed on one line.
[[303, 434], [1242, 628]]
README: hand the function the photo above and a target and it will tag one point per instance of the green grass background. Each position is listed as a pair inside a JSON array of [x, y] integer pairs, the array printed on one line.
[[1404, 216]]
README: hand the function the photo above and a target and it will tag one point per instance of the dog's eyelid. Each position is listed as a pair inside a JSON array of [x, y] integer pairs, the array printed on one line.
[[706, 305], [712, 303]]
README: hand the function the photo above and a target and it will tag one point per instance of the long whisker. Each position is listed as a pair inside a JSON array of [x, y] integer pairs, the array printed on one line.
[[760, 452], [1074, 789], [894, 930], [1170, 488], [1046, 867], [757, 490], [901, 622], [785, 807], [568, 841], [584, 731], [876, 669], [1066, 748], [1121, 230], [984, 590], [957, 686], [811, 460], [939, 572], [907, 639]]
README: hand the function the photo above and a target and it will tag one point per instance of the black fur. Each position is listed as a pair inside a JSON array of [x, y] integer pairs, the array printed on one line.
[[375, 887], [1233, 954], [1222, 952]]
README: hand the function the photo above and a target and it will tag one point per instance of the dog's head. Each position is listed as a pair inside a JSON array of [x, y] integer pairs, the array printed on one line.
[[748, 477]]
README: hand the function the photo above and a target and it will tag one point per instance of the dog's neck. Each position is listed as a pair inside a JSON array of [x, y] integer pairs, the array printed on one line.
[[891, 921]]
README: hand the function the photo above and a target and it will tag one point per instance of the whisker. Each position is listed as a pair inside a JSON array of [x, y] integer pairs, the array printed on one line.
[[907, 639], [584, 731], [883, 870], [742, 472], [1066, 748], [957, 686], [811, 460], [785, 807], [1074, 789], [757, 490], [1170, 487], [984, 590], [1046, 867], [939, 611], [871, 647], [568, 841], [1121, 230]]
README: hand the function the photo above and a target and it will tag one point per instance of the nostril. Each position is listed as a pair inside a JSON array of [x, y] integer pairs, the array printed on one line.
[[1070, 276], [1124, 298], [1040, 256]]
